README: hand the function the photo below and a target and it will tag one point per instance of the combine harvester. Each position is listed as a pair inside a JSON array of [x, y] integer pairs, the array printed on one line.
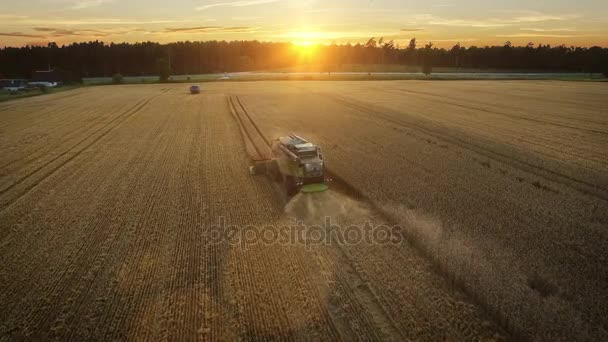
[[291, 161], [296, 163]]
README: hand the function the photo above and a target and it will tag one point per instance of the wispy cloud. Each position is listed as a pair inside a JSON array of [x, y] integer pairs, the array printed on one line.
[[245, 18], [82, 4], [211, 29], [243, 3], [12, 17], [59, 21], [548, 30], [20, 34], [411, 29], [47, 33], [528, 17], [60, 32], [542, 35]]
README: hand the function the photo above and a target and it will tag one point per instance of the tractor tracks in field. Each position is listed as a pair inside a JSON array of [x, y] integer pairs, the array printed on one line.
[[582, 186], [350, 283], [70, 153], [26, 158], [93, 249], [252, 141]]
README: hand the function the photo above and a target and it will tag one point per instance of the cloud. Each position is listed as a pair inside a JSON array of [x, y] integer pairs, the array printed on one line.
[[192, 29], [211, 29], [83, 4], [548, 30], [20, 34], [528, 17], [245, 18], [411, 29], [56, 32], [235, 4], [542, 35], [46, 33], [12, 17], [535, 18]]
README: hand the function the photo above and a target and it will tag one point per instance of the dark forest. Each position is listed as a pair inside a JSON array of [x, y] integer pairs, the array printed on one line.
[[98, 59]]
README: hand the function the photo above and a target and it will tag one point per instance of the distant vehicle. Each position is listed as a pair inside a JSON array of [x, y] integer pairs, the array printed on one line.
[[43, 84], [13, 85], [46, 78], [195, 89]]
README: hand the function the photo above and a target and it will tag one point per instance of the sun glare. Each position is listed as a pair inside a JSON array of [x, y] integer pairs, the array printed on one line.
[[306, 49], [306, 43]]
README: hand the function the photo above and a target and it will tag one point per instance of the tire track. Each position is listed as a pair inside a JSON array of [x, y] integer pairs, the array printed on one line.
[[153, 227], [98, 237], [132, 111], [373, 303], [22, 179], [41, 152], [120, 243], [298, 260]]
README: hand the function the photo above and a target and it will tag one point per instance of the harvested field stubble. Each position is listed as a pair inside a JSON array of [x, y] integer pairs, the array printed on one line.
[[110, 198], [109, 201]]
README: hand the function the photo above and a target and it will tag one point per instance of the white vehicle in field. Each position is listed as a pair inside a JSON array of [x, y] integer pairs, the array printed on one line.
[[43, 84], [13, 85]]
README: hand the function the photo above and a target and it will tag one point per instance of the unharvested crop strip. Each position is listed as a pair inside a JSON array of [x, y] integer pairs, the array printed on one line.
[[439, 99], [582, 186]]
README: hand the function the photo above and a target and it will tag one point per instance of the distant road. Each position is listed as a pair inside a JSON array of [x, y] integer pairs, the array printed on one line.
[[244, 76]]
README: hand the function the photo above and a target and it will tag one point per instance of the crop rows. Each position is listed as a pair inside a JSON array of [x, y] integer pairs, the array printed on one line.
[[110, 198], [503, 189]]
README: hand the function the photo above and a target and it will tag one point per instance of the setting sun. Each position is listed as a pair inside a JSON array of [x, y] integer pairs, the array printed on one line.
[[306, 49]]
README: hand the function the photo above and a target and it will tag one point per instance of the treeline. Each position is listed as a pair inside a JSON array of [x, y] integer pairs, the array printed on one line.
[[96, 59]]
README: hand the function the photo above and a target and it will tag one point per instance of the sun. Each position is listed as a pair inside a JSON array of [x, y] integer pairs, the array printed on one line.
[[305, 49], [305, 43]]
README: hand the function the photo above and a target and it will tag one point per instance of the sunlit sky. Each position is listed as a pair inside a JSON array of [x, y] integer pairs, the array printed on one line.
[[444, 22]]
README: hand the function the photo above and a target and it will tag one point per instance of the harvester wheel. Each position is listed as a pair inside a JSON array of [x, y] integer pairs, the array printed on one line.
[[290, 185], [273, 171]]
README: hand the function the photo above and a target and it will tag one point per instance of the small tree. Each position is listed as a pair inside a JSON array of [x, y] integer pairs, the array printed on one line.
[[117, 79], [164, 69], [427, 65]]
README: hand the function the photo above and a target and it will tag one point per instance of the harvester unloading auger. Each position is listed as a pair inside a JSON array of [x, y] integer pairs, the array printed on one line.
[[296, 163]]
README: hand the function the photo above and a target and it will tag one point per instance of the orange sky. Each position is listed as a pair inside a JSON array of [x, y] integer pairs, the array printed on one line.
[[444, 22]]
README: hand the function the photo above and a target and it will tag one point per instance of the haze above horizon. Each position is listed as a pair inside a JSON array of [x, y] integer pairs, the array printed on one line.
[[443, 22]]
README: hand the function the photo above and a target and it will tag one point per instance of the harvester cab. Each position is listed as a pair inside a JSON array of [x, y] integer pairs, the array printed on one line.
[[298, 164]]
